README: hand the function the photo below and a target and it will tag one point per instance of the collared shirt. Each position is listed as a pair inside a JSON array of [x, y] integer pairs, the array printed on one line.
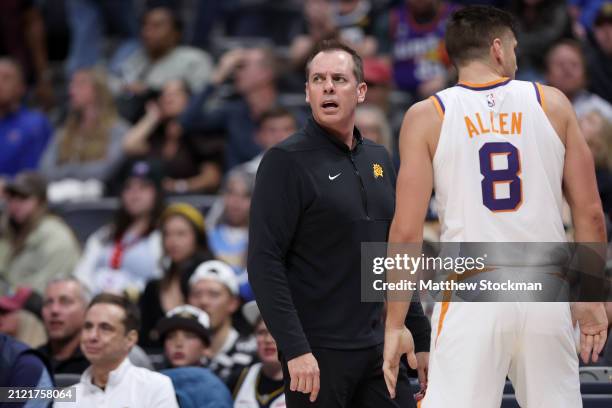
[[127, 386], [76, 363]]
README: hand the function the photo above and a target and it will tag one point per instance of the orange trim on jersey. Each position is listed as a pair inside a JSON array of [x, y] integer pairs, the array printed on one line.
[[542, 99], [491, 83], [443, 311], [437, 105], [420, 404]]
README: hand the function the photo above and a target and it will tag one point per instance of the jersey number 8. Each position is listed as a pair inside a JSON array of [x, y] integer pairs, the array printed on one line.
[[494, 177]]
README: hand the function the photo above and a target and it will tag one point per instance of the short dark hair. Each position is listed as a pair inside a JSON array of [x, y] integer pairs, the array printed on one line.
[[276, 112], [177, 22], [131, 321], [335, 45], [471, 31]]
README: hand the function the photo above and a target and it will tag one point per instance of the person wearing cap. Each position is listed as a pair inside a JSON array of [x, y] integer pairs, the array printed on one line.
[[185, 247], [126, 254], [599, 53], [35, 246], [109, 333], [18, 321], [260, 385], [214, 288], [185, 334], [24, 133]]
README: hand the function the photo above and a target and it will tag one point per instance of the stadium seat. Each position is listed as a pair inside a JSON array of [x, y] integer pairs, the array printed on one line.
[[595, 387], [86, 217], [600, 374]]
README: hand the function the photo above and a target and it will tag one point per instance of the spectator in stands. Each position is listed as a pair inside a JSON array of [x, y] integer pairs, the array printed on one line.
[[214, 288], [185, 247], [23, 37], [184, 332], [599, 54], [192, 163], [261, 385], [566, 70], [540, 24], [349, 21], [412, 34], [24, 133], [254, 78], [110, 331], [35, 246], [88, 146], [156, 61], [373, 125], [64, 305], [228, 219], [21, 366], [19, 322], [125, 254], [89, 21], [597, 131], [275, 125]]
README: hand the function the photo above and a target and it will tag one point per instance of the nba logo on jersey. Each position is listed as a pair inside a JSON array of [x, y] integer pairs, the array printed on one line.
[[490, 100]]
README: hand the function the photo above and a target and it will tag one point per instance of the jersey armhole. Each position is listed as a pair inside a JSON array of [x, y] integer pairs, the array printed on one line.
[[540, 95], [435, 99]]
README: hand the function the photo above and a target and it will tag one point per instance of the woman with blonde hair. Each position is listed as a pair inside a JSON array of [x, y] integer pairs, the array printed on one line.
[[88, 146]]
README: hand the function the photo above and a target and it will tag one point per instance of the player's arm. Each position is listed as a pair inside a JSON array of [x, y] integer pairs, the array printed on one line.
[[580, 189], [420, 128]]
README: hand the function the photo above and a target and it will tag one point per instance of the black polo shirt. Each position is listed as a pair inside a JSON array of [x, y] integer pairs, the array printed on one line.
[[315, 202], [75, 364]]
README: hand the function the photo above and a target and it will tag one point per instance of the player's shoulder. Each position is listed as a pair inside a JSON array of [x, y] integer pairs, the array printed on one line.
[[554, 101]]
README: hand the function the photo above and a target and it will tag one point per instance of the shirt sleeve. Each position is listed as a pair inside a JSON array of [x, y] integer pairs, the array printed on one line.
[[275, 211]]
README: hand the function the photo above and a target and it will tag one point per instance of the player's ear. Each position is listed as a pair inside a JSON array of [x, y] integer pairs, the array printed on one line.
[[497, 50], [306, 88], [362, 88]]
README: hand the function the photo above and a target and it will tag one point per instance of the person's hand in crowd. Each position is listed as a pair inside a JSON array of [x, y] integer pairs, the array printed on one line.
[[304, 374], [593, 321], [398, 341], [227, 64], [423, 370], [135, 88], [153, 112]]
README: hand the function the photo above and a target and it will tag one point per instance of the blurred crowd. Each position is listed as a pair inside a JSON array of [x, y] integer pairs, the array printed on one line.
[[153, 102]]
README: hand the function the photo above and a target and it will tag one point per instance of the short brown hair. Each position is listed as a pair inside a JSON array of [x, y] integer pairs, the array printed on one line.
[[335, 45], [131, 321], [471, 30]]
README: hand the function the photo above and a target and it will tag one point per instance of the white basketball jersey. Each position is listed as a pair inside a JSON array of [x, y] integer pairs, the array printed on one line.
[[247, 395], [498, 167]]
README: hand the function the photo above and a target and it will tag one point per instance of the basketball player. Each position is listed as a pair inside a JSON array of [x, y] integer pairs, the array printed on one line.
[[450, 142]]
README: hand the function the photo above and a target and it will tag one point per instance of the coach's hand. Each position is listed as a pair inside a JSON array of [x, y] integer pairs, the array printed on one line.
[[397, 343], [593, 321], [423, 370], [304, 375]]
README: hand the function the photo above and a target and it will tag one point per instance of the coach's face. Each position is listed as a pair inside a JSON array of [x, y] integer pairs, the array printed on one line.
[[332, 90]]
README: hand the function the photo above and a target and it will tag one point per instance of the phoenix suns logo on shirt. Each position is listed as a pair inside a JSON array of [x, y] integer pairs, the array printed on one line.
[[377, 170]]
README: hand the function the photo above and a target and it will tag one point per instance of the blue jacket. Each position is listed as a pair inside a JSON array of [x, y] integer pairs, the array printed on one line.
[[198, 387]]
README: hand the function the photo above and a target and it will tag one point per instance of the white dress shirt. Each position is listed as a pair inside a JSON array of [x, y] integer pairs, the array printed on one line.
[[128, 386]]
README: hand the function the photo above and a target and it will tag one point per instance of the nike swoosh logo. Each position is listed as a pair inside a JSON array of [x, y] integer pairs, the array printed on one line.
[[334, 177]]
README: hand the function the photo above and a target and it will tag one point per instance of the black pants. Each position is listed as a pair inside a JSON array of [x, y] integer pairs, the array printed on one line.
[[351, 379]]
